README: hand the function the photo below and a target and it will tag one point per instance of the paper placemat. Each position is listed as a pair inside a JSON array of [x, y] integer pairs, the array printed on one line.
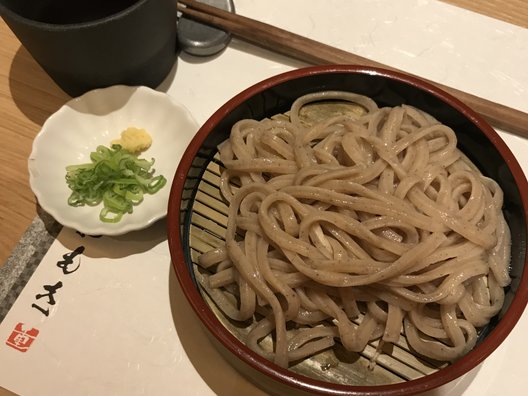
[[107, 313]]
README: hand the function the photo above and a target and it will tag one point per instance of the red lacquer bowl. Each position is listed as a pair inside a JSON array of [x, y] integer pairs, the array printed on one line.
[[476, 139]]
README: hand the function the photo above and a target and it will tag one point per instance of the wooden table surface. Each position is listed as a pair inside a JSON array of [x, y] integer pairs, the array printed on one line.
[[28, 97]]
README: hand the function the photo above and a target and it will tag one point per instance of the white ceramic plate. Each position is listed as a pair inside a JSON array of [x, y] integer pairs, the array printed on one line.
[[97, 117]]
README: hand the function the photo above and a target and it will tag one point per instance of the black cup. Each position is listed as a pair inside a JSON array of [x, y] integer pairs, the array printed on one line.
[[91, 44]]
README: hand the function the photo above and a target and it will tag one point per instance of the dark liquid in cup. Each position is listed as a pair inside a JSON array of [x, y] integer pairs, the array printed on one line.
[[71, 11]]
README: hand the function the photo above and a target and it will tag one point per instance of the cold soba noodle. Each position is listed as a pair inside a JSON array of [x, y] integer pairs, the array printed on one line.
[[358, 227]]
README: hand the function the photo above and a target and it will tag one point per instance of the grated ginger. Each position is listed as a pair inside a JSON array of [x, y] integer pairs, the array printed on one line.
[[134, 140]]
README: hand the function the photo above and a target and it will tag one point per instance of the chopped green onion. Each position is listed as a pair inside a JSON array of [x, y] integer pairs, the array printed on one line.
[[116, 178]]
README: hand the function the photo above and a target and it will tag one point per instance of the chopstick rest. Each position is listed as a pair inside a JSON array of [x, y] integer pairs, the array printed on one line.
[[199, 39]]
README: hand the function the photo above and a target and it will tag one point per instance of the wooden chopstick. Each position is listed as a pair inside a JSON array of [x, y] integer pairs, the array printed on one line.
[[314, 52]]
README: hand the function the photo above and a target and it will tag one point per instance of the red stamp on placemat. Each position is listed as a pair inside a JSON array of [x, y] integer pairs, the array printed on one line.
[[21, 339]]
